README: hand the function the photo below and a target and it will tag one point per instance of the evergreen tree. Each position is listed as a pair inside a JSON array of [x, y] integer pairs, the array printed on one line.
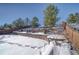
[[35, 22], [51, 16], [18, 23]]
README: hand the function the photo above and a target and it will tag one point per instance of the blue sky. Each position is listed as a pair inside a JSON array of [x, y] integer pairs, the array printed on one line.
[[10, 12]]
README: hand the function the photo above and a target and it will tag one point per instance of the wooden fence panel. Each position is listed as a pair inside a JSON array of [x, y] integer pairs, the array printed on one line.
[[73, 36]]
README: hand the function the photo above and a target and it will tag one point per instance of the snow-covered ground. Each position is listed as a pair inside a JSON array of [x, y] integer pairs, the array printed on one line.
[[39, 33], [16, 44], [53, 49], [63, 49], [56, 36], [48, 49], [36, 33], [19, 32]]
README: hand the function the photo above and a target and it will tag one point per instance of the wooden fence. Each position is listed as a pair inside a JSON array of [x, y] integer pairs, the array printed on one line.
[[72, 35]]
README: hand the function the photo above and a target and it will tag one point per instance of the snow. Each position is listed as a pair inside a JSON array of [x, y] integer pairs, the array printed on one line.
[[54, 49], [23, 40], [15, 44], [64, 49], [38, 33], [14, 49], [48, 48], [19, 32], [56, 36], [21, 45]]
